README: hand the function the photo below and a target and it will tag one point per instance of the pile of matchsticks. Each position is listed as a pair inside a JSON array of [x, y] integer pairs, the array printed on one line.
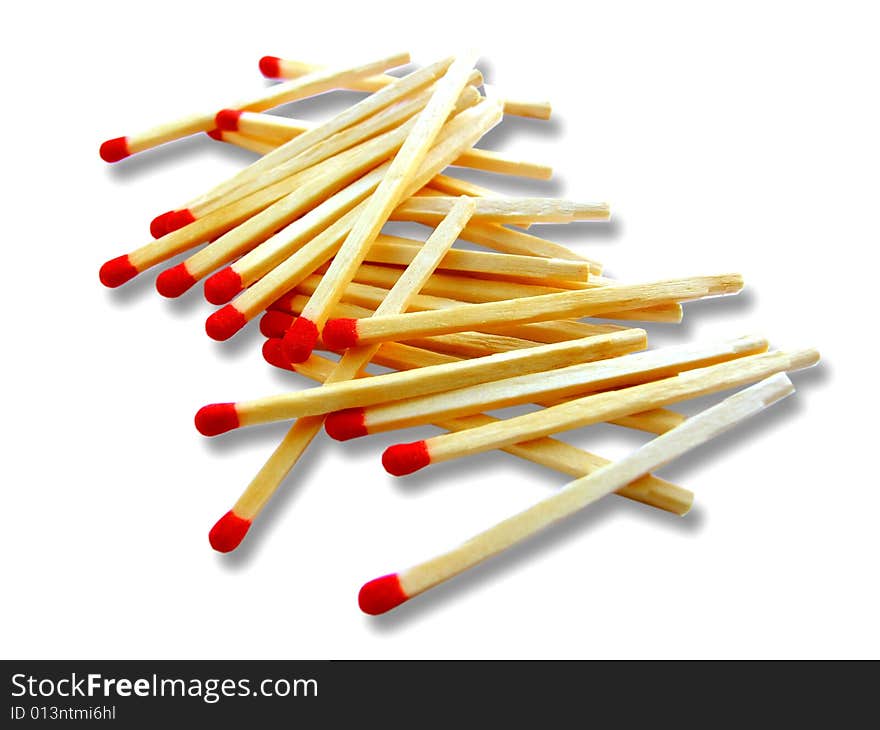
[[296, 238]]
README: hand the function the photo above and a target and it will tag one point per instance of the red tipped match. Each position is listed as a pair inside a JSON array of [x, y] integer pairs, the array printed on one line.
[[114, 150], [223, 286], [159, 224], [299, 340], [340, 334], [270, 67], [216, 418], [174, 281], [224, 323], [179, 219], [275, 323], [116, 272], [403, 459], [228, 533], [215, 134], [345, 425], [227, 119], [381, 595], [272, 354]]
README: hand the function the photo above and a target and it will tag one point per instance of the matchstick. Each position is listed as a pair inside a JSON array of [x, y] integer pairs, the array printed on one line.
[[278, 271], [313, 83], [265, 127], [301, 338], [556, 455], [490, 161], [273, 67], [251, 144], [504, 210], [404, 356], [383, 594], [341, 333], [217, 418], [230, 530], [404, 459], [554, 385]]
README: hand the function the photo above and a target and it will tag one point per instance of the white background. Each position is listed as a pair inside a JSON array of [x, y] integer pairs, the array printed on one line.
[[739, 139]]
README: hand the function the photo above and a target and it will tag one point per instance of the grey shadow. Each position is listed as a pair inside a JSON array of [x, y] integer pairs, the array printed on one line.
[[501, 134], [587, 232], [485, 574], [241, 343], [186, 149]]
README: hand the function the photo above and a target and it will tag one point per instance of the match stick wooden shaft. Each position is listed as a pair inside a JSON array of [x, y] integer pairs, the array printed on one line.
[[604, 406], [303, 431], [556, 455], [555, 386], [586, 490], [393, 386], [272, 127], [496, 162], [402, 172], [308, 85], [510, 210], [583, 303]]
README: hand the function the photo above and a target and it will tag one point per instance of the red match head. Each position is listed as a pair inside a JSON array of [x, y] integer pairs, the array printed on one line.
[[299, 340], [381, 595], [174, 281], [272, 354], [216, 418], [222, 286], [227, 119], [224, 323], [116, 272], [345, 425], [159, 224], [215, 134], [274, 323], [340, 334], [178, 219], [228, 533], [403, 459], [270, 67], [114, 150]]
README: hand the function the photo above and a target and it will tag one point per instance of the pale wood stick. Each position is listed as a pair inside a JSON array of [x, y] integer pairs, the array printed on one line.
[[393, 386], [366, 294], [590, 302], [402, 88], [283, 68], [279, 271], [489, 161], [405, 458], [549, 388], [399, 251], [271, 127], [397, 117], [253, 144], [228, 532], [557, 455], [308, 85], [404, 169], [499, 210], [385, 593], [456, 289]]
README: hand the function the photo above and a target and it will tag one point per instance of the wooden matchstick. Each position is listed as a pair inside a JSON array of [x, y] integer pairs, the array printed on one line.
[[265, 127], [406, 458], [217, 418], [274, 67], [313, 83], [405, 356], [501, 164], [229, 531], [554, 385], [383, 594], [340, 333], [300, 340], [504, 210], [557, 455]]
